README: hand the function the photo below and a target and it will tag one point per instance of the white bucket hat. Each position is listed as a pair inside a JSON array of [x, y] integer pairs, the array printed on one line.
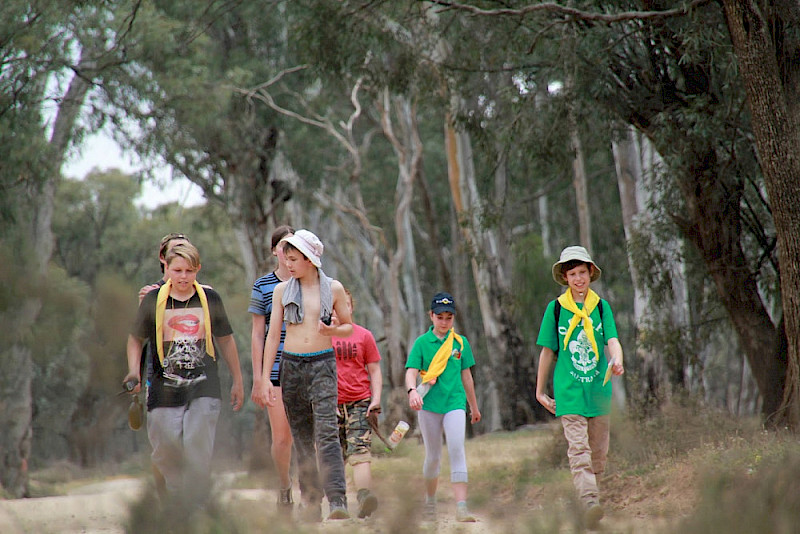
[[570, 254], [308, 244]]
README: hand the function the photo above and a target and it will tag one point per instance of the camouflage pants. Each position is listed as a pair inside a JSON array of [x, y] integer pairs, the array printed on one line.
[[355, 434], [309, 385]]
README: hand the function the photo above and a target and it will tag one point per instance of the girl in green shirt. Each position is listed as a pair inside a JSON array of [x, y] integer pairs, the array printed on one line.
[[443, 359]]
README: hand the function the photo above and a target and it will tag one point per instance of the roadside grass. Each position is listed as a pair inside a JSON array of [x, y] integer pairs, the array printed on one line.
[[688, 470], [751, 485]]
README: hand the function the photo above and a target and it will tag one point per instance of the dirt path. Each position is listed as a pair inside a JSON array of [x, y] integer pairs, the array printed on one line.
[[102, 508], [92, 509]]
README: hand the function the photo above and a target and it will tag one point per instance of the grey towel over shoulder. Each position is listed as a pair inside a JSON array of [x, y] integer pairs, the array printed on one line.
[[293, 299]]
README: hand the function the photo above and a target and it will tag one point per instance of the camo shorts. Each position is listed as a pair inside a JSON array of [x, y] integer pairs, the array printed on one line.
[[355, 434]]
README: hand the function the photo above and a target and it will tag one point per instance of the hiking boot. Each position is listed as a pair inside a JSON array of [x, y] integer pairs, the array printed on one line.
[[338, 508], [463, 515], [594, 513], [285, 498], [367, 503], [429, 511], [311, 513]]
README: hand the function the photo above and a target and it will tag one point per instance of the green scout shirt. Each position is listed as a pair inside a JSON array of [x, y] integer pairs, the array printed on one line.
[[447, 394], [578, 376]]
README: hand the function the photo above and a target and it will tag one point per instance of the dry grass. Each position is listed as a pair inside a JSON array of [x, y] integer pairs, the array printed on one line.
[[687, 470]]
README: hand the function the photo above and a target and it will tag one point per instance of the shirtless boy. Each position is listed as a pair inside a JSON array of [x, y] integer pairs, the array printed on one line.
[[308, 377]]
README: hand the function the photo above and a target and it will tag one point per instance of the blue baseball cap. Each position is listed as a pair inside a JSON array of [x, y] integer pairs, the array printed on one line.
[[443, 302]]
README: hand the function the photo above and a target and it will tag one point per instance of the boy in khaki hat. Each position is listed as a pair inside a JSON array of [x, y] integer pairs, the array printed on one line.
[[574, 329]]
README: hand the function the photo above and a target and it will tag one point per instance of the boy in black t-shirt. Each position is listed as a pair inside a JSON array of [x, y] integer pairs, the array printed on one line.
[[183, 400]]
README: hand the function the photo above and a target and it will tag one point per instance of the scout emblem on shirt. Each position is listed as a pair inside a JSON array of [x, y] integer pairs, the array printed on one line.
[[581, 353]]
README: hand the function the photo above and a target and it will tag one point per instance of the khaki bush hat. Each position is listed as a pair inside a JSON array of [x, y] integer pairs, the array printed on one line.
[[571, 254]]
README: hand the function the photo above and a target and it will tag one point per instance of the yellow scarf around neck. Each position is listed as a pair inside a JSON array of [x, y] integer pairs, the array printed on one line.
[[439, 361], [161, 306], [589, 304]]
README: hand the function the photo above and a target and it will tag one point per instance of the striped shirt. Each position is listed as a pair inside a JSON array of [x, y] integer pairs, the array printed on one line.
[[261, 304]]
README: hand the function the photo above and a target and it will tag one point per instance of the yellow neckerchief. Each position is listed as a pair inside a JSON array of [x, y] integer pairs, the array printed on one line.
[[589, 304], [439, 361], [161, 306]]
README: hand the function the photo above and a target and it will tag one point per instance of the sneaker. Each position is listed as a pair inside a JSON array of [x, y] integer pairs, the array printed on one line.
[[338, 508], [367, 502], [429, 511], [285, 498], [311, 513], [463, 515], [594, 513]]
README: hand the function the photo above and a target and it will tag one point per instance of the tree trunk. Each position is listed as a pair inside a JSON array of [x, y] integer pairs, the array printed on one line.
[[630, 179], [17, 364], [544, 210], [17, 413], [579, 183], [777, 138], [256, 197], [715, 228], [633, 159], [509, 401], [406, 318]]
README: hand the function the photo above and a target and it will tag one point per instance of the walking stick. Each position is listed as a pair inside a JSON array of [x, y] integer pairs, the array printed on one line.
[[373, 423]]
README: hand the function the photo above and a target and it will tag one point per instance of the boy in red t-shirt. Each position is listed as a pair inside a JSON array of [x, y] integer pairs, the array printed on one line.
[[360, 382]]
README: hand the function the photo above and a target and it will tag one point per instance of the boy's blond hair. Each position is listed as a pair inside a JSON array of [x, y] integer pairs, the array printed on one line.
[[187, 251]]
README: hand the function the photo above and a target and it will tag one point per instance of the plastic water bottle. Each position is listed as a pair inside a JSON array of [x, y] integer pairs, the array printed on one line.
[[424, 388], [398, 433], [135, 413]]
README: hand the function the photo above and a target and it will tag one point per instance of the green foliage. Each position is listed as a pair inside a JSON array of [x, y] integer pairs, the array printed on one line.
[[387, 43], [532, 275], [61, 360], [18, 281], [92, 223]]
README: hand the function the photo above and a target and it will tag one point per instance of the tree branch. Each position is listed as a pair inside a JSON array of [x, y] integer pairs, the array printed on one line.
[[552, 7]]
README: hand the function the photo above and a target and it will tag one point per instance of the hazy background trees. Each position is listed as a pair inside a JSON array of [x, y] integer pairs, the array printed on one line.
[[431, 145]]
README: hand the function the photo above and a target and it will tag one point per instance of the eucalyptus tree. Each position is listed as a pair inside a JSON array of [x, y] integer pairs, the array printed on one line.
[[656, 312], [671, 73], [371, 243], [410, 51], [50, 54], [766, 44], [176, 101], [93, 214]]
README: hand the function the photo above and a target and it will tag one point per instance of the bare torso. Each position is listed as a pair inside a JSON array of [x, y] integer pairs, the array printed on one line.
[[305, 337]]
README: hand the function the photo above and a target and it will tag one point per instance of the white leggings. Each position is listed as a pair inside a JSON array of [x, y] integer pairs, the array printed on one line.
[[454, 425]]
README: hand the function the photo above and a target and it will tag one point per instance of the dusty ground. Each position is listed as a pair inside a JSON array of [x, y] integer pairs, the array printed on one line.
[[634, 503], [103, 508], [94, 508]]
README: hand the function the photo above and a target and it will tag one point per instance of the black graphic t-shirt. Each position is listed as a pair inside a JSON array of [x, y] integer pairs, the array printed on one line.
[[188, 371]]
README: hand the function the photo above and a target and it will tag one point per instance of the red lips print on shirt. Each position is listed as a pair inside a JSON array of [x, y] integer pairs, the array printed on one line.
[[186, 324]]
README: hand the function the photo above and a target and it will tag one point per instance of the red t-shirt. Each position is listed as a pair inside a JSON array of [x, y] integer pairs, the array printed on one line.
[[352, 356]]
